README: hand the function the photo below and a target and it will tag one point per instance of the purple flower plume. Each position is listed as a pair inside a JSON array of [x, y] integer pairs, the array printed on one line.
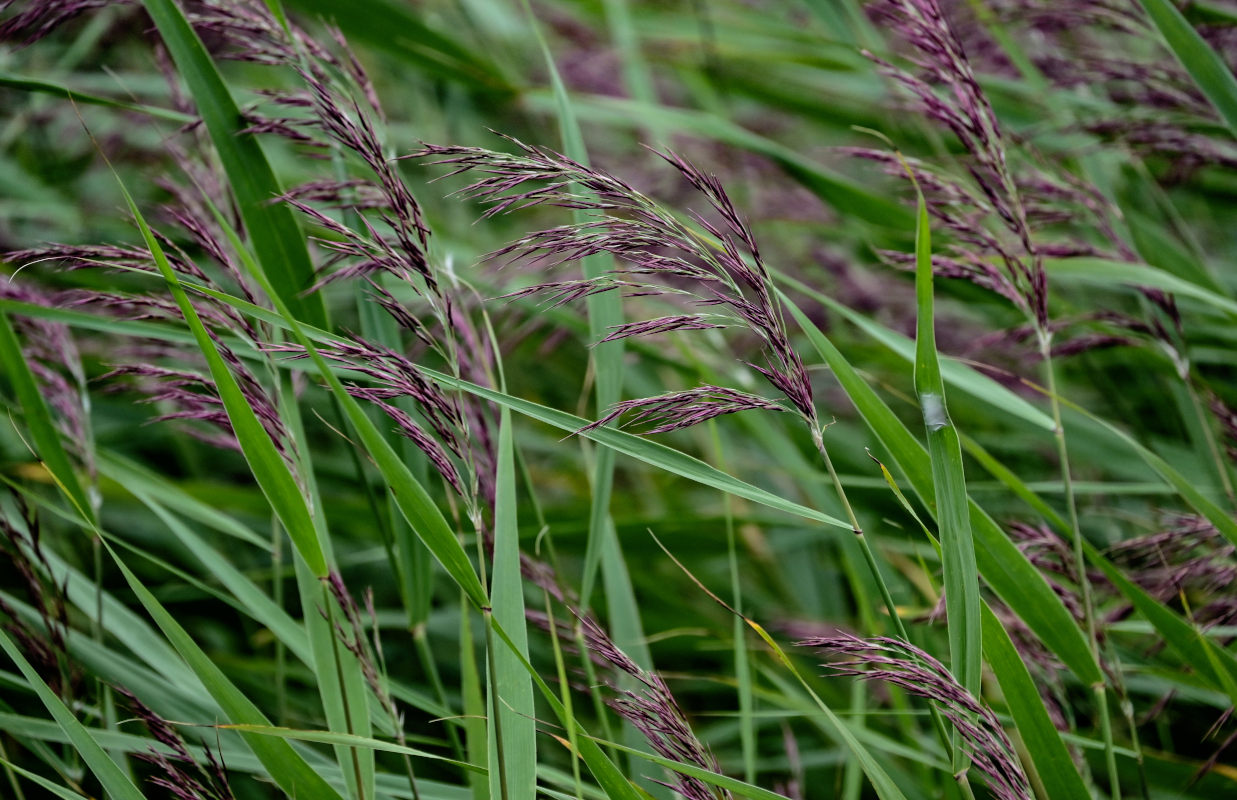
[[179, 773], [919, 674], [193, 396], [24, 564], [38, 19], [1187, 558], [53, 358], [649, 327], [391, 376], [677, 410], [350, 632], [654, 712], [943, 85], [714, 264]]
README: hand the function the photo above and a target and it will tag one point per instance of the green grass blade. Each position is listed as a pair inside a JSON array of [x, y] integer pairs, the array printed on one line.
[[1049, 756], [884, 785], [1205, 66], [337, 677], [845, 194], [115, 782], [956, 374], [272, 228], [653, 453], [1159, 247], [1190, 643], [24, 84], [1104, 273], [637, 447], [39, 419], [401, 31], [605, 312], [347, 740], [279, 485], [609, 778], [342, 687], [961, 574], [94, 322], [512, 706], [1184, 486], [1011, 481], [118, 620], [732, 785], [414, 501], [143, 483], [1215, 663], [252, 599], [1097, 272], [475, 723], [637, 78], [39, 780]]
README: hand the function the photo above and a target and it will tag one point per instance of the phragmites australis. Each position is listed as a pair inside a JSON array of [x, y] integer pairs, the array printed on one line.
[[1111, 49], [40, 628], [37, 20]]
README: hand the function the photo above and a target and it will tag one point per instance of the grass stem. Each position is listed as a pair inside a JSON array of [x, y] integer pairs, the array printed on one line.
[[1084, 584]]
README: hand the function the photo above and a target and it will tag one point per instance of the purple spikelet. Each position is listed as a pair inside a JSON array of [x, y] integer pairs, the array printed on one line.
[[678, 410], [53, 358], [919, 674], [392, 376], [25, 565], [193, 396], [179, 773], [38, 19], [944, 88], [654, 712], [715, 265], [351, 634], [1189, 558]]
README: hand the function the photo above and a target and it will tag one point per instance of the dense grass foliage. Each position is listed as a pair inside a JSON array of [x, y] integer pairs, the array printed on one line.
[[592, 400]]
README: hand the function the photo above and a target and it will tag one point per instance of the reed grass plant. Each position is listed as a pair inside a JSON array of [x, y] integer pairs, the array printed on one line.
[[613, 400]]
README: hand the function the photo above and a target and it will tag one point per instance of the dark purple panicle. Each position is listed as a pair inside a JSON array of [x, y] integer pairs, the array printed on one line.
[[678, 410], [919, 674], [714, 265], [654, 712], [38, 19], [180, 774], [944, 88]]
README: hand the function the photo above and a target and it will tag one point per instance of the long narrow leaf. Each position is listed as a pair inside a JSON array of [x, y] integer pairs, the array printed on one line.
[[512, 706], [949, 484], [412, 498], [272, 473], [1205, 66], [1048, 753], [39, 419], [285, 766]]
